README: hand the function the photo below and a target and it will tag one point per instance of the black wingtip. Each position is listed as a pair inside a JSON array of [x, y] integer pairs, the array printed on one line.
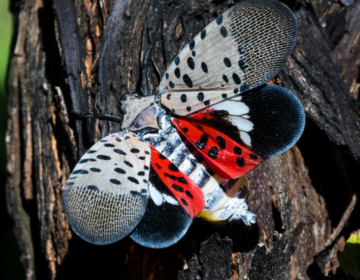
[[161, 226], [264, 52], [278, 118]]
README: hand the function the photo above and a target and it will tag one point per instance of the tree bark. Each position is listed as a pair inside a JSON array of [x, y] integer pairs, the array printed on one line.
[[85, 55]]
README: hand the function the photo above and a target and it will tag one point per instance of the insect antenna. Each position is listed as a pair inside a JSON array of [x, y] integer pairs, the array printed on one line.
[[104, 117], [145, 72]]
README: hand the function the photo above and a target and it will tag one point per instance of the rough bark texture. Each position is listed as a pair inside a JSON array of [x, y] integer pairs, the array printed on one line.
[[84, 55]]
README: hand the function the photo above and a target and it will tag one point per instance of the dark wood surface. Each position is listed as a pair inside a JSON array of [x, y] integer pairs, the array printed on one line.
[[84, 55]]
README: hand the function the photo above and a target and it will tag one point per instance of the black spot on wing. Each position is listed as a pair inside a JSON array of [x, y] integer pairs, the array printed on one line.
[[237, 150], [236, 79], [161, 156], [182, 180], [207, 102], [166, 76], [212, 153], [80, 171], [225, 78], [171, 84], [115, 182], [119, 170], [69, 184], [192, 44], [177, 73], [187, 81], [103, 157], [142, 158], [173, 168], [177, 188], [86, 160], [223, 31], [172, 177], [132, 179], [201, 144], [188, 108], [109, 145], [120, 152], [203, 34], [227, 62], [184, 201], [240, 162], [183, 98], [103, 140], [221, 142], [191, 63], [236, 91], [118, 139], [200, 96], [189, 194], [128, 163], [93, 169], [177, 60], [219, 20], [135, 151], [168, 96], [91, 151], [204, 67], [224, 95], [141, 173]]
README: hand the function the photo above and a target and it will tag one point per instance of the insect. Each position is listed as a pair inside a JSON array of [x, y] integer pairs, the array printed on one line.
[[182, 153]]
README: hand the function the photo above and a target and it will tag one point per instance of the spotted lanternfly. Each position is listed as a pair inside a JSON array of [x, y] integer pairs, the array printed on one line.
[[182, 153]]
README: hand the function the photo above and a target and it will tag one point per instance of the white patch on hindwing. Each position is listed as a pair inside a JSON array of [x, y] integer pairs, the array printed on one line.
[[155, 195], [160, 198], [237, 111], [246, 138]]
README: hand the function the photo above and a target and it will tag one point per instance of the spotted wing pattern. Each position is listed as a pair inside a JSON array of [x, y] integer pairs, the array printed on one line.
[[242, 49], [107, 193], [185, 191]]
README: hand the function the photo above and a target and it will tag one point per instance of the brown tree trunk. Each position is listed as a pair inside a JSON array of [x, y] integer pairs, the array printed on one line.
[[83, 55]]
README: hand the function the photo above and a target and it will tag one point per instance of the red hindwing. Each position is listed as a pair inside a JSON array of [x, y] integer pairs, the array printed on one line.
[[186, 192], [225, 157]]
